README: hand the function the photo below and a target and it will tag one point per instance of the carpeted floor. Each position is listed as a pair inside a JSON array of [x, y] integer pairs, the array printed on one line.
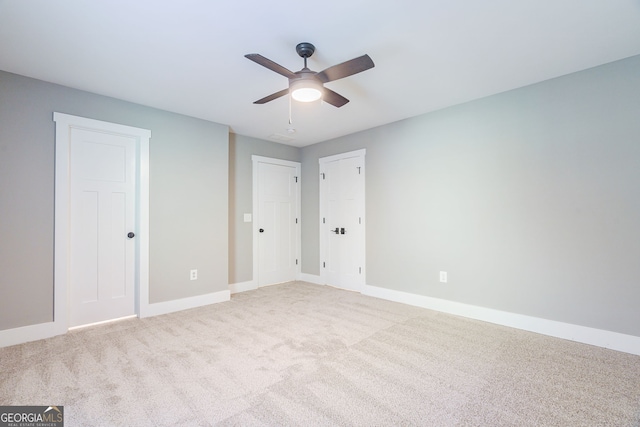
[[302, 355]]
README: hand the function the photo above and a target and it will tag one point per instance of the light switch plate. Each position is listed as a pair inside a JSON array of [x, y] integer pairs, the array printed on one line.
[[247, 217]]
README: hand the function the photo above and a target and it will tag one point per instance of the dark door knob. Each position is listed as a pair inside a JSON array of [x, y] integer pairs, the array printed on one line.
[[337, 230], [342, 231], [261, 230], [131, 235]]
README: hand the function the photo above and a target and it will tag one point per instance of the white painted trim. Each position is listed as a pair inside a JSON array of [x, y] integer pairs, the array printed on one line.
[[235, 288], [356, 153], [166, 307], [64, 124], [310, 278], [142, 300], [582, 334], [41, 331], [29, 333], [61, 226], [255, 211]]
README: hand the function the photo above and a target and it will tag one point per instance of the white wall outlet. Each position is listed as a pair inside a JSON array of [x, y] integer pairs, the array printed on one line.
[[193, 275], [443, 277]]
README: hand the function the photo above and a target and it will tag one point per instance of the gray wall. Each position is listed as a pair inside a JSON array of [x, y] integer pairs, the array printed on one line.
[[188, 196], [241, 148], [529, 199]]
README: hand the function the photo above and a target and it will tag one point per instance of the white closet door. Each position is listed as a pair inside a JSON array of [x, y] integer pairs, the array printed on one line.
[[277, 221], [102, 214], [342, 225]]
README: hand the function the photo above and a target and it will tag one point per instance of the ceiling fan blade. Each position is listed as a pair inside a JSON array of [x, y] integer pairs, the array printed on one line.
[[346, 69], [273, 96], [259, 59], [333, 98]]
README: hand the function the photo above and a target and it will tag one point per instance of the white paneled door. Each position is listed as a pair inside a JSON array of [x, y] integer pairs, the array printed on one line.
[[277, 188], [102, 226], [342, 226]]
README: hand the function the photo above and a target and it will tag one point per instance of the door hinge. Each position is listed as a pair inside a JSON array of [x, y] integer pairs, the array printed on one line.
[[324, 265], [296, 261], [296, 220], [360, 220], [323, 221], [358, 170], [322, 175], [360, 270], [296, 178]]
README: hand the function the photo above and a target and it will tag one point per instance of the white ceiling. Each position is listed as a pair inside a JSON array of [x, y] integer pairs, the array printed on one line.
[[187, 56]]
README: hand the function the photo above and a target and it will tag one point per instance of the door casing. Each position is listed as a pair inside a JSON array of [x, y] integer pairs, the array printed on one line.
[[64, 123]]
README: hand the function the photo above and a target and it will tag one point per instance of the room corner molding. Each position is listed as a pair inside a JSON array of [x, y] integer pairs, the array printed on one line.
[[582, 334]]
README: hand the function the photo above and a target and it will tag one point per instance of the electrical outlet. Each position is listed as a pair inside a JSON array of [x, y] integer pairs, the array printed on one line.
[[443, 277], [193, 275]]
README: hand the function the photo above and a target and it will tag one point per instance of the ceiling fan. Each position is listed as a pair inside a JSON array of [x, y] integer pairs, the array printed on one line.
[[307, 85]]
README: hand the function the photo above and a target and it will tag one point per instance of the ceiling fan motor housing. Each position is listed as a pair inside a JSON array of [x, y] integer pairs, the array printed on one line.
[[304, 74]]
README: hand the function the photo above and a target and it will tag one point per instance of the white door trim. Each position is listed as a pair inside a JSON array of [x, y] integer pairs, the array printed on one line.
[[255, 161], [323, 240], [356, 153], [64, 124]]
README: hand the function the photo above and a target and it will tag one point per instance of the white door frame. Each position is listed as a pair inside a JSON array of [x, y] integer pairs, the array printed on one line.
[[322, 227], [260, 159], [64, 124]]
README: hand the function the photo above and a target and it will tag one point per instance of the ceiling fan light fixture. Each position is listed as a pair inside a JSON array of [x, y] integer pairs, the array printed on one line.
[[307, 85], [306, 90]]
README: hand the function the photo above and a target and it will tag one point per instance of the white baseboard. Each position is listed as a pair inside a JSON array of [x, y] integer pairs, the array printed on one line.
[[234, 288], [41, 331], [598, 337], [311, 278], [29, 333], [185, 303], [583, 334]]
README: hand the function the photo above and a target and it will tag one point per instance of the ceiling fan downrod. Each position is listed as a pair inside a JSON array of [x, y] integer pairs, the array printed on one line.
[[305, 50]]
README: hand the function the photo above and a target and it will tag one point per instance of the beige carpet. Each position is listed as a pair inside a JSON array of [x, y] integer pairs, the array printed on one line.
[[302, 355]]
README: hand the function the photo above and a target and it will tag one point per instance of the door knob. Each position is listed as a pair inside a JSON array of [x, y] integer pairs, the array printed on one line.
[[131, 235], [261, 230], [337, 230], [342, 231]]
